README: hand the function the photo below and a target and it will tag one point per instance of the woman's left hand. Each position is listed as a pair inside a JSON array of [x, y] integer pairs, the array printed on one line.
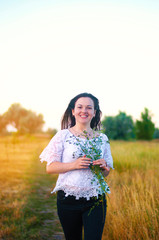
[[102, 163]]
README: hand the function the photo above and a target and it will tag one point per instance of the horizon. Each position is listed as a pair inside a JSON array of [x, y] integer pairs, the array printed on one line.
[[45, 127]]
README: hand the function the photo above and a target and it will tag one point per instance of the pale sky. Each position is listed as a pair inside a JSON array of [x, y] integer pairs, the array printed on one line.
[[51, 51]]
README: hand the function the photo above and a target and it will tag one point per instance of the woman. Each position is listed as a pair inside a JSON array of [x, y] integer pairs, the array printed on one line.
[[78, 190]]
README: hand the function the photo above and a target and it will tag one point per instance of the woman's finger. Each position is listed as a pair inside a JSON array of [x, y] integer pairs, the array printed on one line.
[[86, 162], [98, 162]]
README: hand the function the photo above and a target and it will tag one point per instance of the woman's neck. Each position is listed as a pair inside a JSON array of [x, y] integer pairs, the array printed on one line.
[[81, 128], [83, 131]]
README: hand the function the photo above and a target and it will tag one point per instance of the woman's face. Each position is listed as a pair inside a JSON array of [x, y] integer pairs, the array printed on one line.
[[84, 110]]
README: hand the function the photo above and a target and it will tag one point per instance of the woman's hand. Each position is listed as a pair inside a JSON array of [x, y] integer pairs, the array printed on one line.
[[103, 165], [82, 162], [100, 162]]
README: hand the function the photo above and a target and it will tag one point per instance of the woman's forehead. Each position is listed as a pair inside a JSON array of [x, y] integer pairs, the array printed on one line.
[[85, 101]]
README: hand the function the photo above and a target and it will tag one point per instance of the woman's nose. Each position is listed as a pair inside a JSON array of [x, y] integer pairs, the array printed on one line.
[[84, 110]]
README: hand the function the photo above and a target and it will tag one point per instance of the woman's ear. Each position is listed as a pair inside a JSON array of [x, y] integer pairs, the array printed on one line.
[[94, 113], [73, 112]]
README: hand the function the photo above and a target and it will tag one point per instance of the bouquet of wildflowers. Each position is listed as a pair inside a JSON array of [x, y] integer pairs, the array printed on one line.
[[92, 149]]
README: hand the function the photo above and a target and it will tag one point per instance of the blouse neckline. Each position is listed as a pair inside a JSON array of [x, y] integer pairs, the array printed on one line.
[[81, 137]]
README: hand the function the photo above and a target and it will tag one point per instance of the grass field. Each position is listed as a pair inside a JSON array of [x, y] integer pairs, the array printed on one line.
[[28, 210]]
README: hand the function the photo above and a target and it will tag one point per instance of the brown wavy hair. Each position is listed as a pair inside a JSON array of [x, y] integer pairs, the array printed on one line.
[[68, 119]]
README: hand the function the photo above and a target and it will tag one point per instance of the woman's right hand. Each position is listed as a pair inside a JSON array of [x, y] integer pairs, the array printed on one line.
[[82, 162]]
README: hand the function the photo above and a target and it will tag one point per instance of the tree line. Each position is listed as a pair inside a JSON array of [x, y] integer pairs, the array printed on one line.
[[123, 127], [116, 127]]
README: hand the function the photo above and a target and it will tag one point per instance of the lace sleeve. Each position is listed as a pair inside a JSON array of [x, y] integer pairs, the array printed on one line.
[[107, 153], [53, 151]]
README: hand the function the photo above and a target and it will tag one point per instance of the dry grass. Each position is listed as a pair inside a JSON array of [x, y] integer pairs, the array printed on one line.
[[133, 206], [28, 211], [26, 204]]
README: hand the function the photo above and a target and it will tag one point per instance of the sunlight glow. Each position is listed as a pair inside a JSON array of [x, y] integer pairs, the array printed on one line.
[[53, 53]]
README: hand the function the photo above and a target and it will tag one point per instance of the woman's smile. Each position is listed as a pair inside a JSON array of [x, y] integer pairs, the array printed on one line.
[[83, 116]]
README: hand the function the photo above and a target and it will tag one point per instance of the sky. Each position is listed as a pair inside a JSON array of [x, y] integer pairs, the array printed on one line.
[[50, 51]]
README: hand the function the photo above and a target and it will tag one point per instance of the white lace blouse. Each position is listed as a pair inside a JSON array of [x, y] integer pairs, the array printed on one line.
[[63, 148]]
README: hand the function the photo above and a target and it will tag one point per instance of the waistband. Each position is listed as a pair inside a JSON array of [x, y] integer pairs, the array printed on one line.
[[61, 195]]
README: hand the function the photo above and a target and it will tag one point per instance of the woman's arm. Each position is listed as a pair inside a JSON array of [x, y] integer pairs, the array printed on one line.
[[60, 167]]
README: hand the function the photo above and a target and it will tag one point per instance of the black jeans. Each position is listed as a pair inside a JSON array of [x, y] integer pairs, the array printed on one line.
[[74, 214]]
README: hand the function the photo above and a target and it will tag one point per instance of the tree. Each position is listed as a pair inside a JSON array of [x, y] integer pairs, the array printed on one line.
[[156, 133], [145, 128], [109, 125], [25, 121], [14, 114], [31, 123], [119, 127], [51, 131]]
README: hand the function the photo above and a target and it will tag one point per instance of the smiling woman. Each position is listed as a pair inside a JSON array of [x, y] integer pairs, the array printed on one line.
[[82, 161]]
